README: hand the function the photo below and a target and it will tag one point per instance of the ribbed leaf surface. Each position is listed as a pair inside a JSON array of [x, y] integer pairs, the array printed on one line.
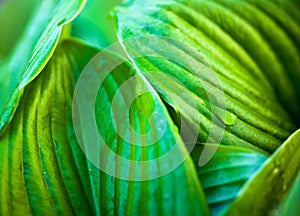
[[225, 174], [44, 171], [210, 39]]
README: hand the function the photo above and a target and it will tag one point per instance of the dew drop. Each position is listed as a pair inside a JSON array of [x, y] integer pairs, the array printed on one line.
[[226, 117], [276, 171], [230, 118]]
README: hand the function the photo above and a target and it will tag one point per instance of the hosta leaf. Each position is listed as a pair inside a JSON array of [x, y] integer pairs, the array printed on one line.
[[285, 20], [32, 50], [140, 148], [290, 205], [270, 183], [257, 45], [292, 7], [203, 46], [44, 171], [225, 174], [279, 41]]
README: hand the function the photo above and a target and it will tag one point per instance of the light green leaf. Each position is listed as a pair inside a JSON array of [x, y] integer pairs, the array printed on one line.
[[142, 156], [257, 45], [204, 47], [280, 42], [269, 185], [32, 50]]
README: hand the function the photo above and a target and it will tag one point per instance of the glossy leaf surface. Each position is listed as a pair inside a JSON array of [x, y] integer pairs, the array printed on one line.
[[271, 181], [44, 171], [203, 47], [32, 50], [225, 174]]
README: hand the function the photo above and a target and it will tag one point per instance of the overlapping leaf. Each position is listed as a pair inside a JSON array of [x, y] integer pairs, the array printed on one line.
[[32, 50], [290, 206], [284, 47], [43, 169], [261, 120], [225, 174], [145, 158], [270, 183], [246, 55]]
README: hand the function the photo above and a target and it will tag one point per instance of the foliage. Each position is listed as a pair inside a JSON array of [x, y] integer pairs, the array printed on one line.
[[218, 86]]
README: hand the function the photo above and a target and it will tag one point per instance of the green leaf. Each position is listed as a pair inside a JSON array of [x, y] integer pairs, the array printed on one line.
[[52, 163], [262, 49], [290, 205], [269, 185], [42, 168], [32, 50], [142, 156], [199, 47], [279, 41], [44, 171], [258, 47], [14, 15], [95, 25], [226, 173], [292, 7], [285, 20]]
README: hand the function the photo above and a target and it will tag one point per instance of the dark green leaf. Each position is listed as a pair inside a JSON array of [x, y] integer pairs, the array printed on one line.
[[282, 45]]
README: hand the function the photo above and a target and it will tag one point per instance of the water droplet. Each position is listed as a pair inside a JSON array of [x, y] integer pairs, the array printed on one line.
[[230, 118], [226, 117], [276, 171], [45, 172]]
